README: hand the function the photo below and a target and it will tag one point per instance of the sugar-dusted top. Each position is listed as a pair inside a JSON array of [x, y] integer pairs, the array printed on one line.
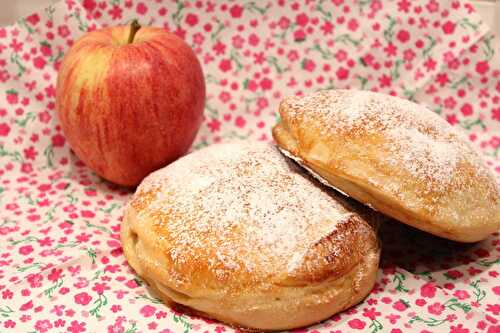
[[239, 206], [416, 139]]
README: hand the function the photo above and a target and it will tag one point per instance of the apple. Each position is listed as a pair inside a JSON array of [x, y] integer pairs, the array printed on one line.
[[130, 100]]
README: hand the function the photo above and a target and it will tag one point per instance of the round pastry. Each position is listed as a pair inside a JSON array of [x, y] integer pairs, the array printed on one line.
[[395, 156], [239, 233]]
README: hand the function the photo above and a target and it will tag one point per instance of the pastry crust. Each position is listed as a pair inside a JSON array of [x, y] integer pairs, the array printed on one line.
[[238, 233], [395, 156]]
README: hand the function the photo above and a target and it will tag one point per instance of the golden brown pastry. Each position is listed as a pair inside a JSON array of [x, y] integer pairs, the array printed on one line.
[[395, 156], [239, 233]]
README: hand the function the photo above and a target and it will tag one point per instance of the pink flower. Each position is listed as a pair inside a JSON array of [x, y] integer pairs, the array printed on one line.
[[462, 294], [236, 11], [494, 308], [356, 324], [482, 67], [371, 313], [448, 27], [428, 290], [4, 129], [403, 36], [43, 326], [39, 62], [302, 19], [33, 19], [77, 327], [54, 275], [141, 8], [25, 250], [284, 22], [63, 31], [225, 65], [240, 122], [466, 109], [308, 65], [400, 305], [148, 311], [436, 308], [191, 19], [82, 298], [100, 288], [58, 140], [266, 84], [293, 55], [342, 73], [352, 24], [299, 35], [458, 329], [341, 55]]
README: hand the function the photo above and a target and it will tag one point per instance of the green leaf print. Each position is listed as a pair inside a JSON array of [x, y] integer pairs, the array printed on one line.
[[132, 329], [153, 300], [454, 304], [6, 311], [36, 265], [16, 59], [325, 53], [179, 318], [29, 239], [101, 301], [466, 23], [15, 156], [48, 292], [488, 263], [217, 31], [49, 155], [22, 22], [347, 39], [427, 50], [375, 326], [99, 227], [326, 14], [389, 32], [399, 278], [478, 293], [429, 322], [488, 50], [92, 254], [253, 7], [178, 15], [110, 209]]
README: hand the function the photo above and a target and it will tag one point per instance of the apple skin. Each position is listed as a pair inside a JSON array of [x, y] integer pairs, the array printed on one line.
[[129, 109]]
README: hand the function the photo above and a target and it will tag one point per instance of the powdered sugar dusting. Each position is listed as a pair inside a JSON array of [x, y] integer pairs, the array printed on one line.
[[419, 141], [244, 201]]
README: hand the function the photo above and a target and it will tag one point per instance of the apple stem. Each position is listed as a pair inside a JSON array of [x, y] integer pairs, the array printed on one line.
[[134, 27]]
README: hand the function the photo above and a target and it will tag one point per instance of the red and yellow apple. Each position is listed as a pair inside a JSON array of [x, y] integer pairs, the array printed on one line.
[[130, 100]]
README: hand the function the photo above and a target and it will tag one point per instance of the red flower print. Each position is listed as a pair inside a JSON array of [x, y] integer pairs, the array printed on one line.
[[495, 114], [356, 324], [25, 250], [54, 275], [432, 6], [9, 324], [428, 290], [35, 280], [191, 19], [385, 81], [352, 24], [33, 19], [466, 109], [266, 84], [403, 36], [442, 79], [461, 294], [493, 308], [302, 19], [308, 65], [100, 288], [63, 31], [82, 298], [454, 274], [58, 140], [89, 4], [327, 28], [436, 308], [141, 8], [76, 327], [342, 73], [404, 6], [430, 64], [236, 11], [12, 97], [400, 305], [458, 329], [284, 22], [43, 326], [39, 62], [448, 27], [482, 67], [115, 12], [4, 129], [253, 39], [371, 313], [148, 311], [390, 49], [240, 121], [299, 35]]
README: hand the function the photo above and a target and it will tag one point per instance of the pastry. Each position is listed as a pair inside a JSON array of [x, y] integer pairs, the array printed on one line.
[[395, 156], [239, 233]]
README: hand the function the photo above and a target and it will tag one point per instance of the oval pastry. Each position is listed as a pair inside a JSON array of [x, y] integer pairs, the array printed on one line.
[[395, 156], [239, 233]]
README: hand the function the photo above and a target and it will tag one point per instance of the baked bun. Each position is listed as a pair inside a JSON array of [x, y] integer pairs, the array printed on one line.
[[239, 233], [395, 156]]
